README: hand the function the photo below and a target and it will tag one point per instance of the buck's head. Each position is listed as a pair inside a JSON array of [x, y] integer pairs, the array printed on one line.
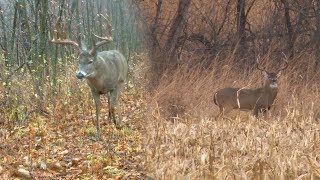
[[87, 59], [87, 66], [271, 79]]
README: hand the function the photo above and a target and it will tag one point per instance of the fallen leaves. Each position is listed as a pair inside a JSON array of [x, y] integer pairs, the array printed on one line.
[[59, 146]]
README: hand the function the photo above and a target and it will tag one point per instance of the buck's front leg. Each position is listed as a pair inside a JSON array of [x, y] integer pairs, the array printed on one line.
[[109, 107], [114, 97], [261, 111], [256, 112], [264, 112], [96, 98]]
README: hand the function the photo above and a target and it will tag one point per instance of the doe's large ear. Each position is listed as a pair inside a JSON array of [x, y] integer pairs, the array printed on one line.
[[279, 74]]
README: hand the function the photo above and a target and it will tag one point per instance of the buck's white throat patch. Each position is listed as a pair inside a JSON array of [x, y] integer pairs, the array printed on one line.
[[273, 85]]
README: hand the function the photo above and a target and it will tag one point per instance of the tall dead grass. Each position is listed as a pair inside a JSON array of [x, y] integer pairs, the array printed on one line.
[[183, 139]]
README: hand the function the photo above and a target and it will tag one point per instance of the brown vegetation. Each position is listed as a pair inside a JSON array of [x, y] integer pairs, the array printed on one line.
[[218, 48], [183, 139]]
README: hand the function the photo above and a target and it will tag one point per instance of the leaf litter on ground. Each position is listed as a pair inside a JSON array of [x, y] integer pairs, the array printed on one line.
[[58, 146]]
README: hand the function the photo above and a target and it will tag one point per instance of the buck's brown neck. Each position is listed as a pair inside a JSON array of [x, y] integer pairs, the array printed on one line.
[[271, 91]]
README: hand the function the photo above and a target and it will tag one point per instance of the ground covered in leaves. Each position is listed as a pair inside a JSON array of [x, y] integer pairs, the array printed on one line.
[[58, 145]]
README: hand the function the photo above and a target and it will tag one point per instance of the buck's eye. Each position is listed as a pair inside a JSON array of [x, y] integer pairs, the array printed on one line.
[[90, 61]]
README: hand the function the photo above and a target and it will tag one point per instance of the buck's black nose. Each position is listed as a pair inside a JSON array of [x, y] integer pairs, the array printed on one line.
[[273, 79], [80, 75]]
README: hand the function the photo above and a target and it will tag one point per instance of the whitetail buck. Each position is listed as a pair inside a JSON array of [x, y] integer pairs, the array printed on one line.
[[258, 100], [105, 72]]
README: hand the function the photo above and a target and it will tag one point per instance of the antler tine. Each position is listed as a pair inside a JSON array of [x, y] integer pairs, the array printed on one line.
[[104, 40], [57, 39], [258, 65], [285, 66], [55, 31]]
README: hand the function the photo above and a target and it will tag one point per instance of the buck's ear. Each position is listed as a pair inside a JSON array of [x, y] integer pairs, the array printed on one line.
[[278, 74], [265, 74]]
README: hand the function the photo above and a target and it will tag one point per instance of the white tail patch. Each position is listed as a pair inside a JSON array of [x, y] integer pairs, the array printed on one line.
[[238, 97], [238, 94], [216, 98]]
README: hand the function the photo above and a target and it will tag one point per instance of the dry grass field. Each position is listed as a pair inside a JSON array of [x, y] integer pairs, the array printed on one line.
[[184, 140]]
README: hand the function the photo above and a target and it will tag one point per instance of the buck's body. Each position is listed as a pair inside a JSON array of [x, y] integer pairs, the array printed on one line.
[[105, 72], [113, 67], [256, 100]]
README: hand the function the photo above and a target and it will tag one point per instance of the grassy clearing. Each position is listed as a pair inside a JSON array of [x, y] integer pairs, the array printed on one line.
[[183, 139]]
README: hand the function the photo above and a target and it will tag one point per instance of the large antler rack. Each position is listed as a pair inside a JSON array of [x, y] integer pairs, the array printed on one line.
[[57, 38], [104, 40], [285, 66]]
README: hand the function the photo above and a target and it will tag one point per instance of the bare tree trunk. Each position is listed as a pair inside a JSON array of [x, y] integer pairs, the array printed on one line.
[[25, 28], [155, 42], [54, 58], [176, 30], [13, 34], [241, 25], [317, 34], [4, 46], [42, 52], [35, 48], [290, 35]]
